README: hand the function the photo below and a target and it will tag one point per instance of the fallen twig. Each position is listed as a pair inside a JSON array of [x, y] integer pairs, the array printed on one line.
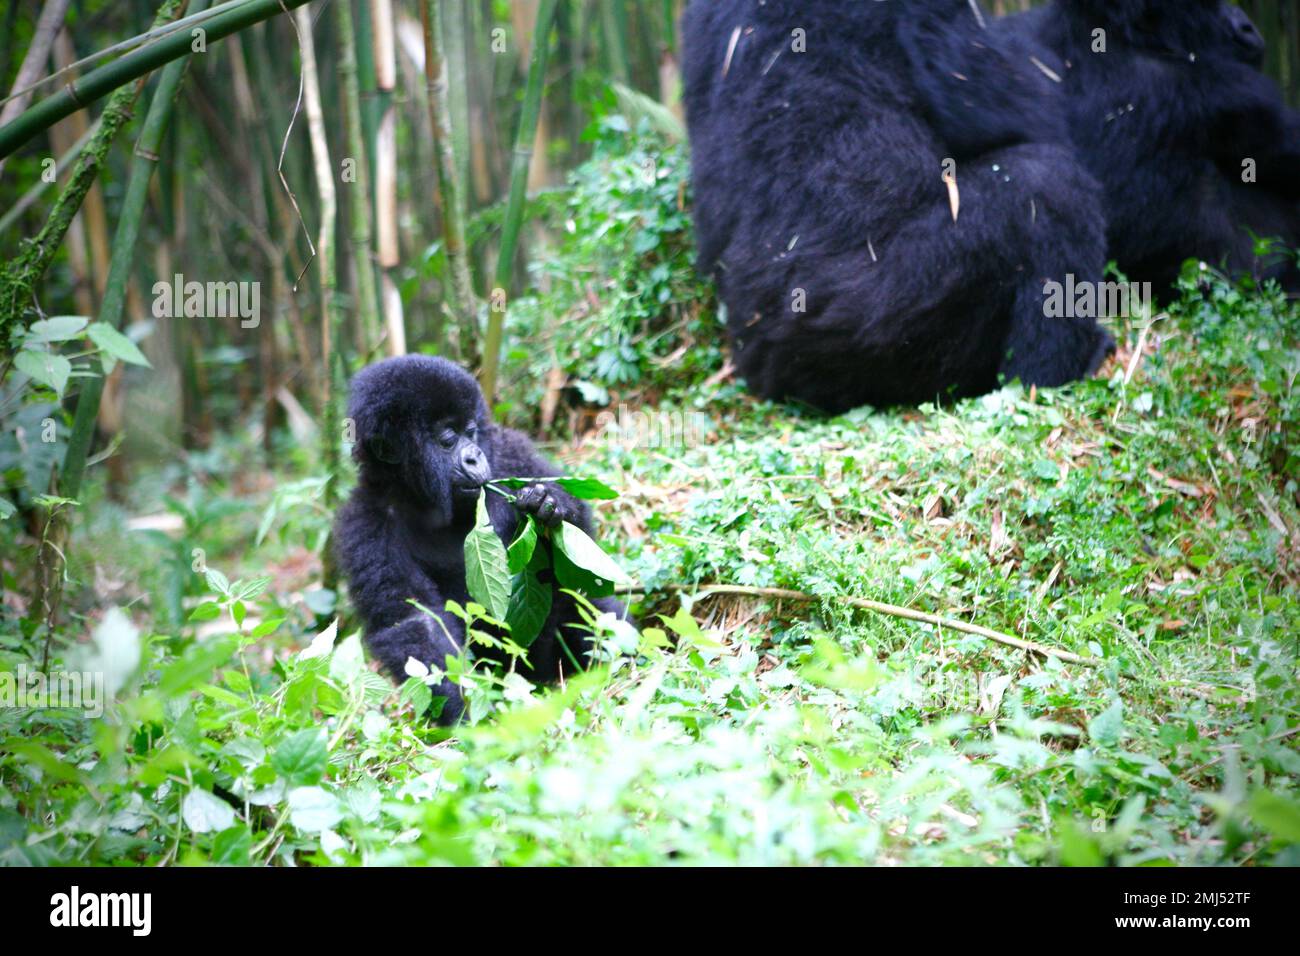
[[890, 610], [1197, 771]]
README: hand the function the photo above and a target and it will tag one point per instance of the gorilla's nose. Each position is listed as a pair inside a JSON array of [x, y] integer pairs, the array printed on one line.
[[473, 466]]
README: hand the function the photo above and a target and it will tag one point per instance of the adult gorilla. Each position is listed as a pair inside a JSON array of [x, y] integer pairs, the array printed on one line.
[[852, 273], [1193, 145]]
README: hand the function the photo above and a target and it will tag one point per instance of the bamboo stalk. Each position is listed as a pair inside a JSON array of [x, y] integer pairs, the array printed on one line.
[[28, 199], [20, 276], [456, 57], [331, 319], [143, 163], [381, 19], [92, 212], [388, 248], [522, 160], [367, 303], [369, 92], [386, 189], [460, 296], [48, 26], [99, 82], [613, 18]]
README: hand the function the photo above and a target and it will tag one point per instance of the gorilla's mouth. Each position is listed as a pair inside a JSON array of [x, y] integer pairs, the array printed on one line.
[[466, 489]]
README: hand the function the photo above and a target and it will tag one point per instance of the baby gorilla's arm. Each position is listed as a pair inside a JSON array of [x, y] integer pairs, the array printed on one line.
[[513, 456], [383, 578], [421, 637], [550, 505]]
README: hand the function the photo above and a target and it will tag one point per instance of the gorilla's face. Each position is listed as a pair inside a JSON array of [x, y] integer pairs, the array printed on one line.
[[1203, 28], [438, 461], [422, 432]]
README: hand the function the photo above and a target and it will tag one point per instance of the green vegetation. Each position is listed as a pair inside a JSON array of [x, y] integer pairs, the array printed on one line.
[[772, 704], [1147, 519]]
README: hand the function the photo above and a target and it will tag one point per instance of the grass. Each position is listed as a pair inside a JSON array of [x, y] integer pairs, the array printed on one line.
[[1147, 520]]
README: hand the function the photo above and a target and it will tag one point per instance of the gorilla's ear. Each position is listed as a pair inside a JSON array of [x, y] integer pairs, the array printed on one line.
[[381, 449]]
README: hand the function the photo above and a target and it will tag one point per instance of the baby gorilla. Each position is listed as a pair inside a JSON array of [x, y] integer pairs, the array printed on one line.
[[425, 446]]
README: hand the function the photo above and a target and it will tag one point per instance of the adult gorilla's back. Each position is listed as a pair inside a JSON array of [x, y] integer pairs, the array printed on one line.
[[821, 210]]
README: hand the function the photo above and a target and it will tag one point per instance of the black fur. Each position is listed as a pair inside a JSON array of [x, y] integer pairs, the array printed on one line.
[[1164, 118], [820, 174], [425, 444]]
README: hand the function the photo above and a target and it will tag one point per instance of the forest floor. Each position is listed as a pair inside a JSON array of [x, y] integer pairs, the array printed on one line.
[[1145, 521]]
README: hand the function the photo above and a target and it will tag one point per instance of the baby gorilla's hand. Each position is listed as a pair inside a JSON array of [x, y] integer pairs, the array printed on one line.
[[540, 502]]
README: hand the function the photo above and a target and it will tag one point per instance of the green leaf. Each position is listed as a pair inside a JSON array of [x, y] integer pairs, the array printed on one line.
[[207, 611], [585, 488], [7, 508], [205, 813], [302, 758], [521, 551], [575, 551], [231, 847], [312, 809], [266, 628], [116, 344], [57, 328], [1278, 815], [195, 666], [41, 756], [348, 661], [487, 569], [247, 590], [1046, 470], [530, 605], [1107, 728], [46, 368], [588, 489]]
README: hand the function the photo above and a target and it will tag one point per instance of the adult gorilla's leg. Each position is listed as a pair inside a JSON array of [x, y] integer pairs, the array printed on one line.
[[940, 308], [1061, 234]]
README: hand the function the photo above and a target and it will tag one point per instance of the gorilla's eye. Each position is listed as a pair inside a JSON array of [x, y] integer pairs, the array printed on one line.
[[447, 437], [471, 431]]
